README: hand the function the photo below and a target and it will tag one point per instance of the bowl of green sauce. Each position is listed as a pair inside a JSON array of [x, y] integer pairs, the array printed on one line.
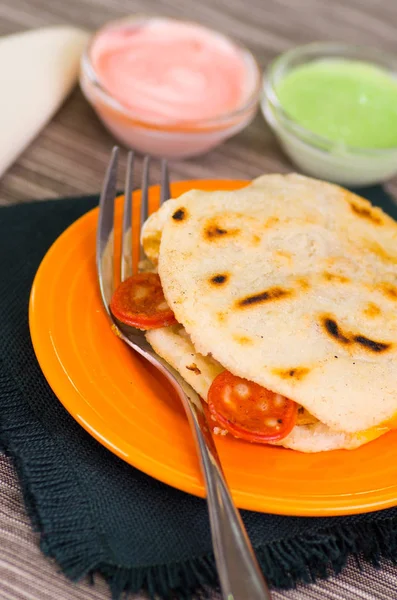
[[333, 108]]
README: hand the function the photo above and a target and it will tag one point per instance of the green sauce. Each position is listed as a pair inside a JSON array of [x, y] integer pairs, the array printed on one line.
[[346, 101]]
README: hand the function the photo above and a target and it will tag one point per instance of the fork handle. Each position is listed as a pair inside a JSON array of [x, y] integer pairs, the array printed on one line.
[[238, 570], [239, 574]]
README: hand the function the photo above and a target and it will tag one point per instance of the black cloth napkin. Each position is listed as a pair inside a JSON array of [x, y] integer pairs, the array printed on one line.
[[95, 513]]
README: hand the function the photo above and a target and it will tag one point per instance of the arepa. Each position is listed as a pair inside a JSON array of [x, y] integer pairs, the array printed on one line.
[[290, 283]]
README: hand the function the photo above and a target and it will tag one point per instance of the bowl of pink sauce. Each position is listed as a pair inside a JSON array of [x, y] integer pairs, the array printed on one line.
[[169, 88]]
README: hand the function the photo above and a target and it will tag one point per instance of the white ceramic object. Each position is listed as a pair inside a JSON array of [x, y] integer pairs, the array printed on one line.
[[38, 70]]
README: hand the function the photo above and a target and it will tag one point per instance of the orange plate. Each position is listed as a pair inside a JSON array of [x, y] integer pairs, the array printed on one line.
[[127, 406]]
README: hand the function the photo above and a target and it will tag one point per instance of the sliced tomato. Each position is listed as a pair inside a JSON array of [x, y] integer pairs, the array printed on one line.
[[250, 411], [139, 302]]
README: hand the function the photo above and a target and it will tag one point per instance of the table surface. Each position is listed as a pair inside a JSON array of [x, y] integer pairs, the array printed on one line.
[[69, 158]]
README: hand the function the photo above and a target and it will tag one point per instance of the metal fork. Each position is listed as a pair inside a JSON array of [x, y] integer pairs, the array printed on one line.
[[239, 573]]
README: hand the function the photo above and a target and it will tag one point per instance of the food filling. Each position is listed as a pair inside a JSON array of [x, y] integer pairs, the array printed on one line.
[[139, 302], [245, 409], [249, 411]]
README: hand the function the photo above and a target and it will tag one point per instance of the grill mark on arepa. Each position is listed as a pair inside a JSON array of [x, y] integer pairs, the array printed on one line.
[[297, 373], [335, 277], [303, 283], [256, 240], [271, 294], [283, 255], [372, 310], [244, 340], [180, 214], [219, 279], [371, 344], [214, 231], [333, 329], [388, 290], [271, 221], [379, 251], [366, 212]]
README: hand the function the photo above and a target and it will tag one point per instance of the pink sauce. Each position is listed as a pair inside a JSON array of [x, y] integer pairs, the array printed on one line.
[[168, 71]]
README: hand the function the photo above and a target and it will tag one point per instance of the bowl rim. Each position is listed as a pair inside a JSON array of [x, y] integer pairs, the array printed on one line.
[[104, 96], [332, 50]]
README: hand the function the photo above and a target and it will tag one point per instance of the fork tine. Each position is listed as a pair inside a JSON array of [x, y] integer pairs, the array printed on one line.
[[165, 193], [144, 200], [105, 238], [126, 243]]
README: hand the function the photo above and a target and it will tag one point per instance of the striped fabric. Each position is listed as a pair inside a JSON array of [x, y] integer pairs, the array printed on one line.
[[69, 158], [25, 574]]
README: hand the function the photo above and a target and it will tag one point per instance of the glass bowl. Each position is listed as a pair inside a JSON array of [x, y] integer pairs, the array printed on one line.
[[178, 139], [313, 154]]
